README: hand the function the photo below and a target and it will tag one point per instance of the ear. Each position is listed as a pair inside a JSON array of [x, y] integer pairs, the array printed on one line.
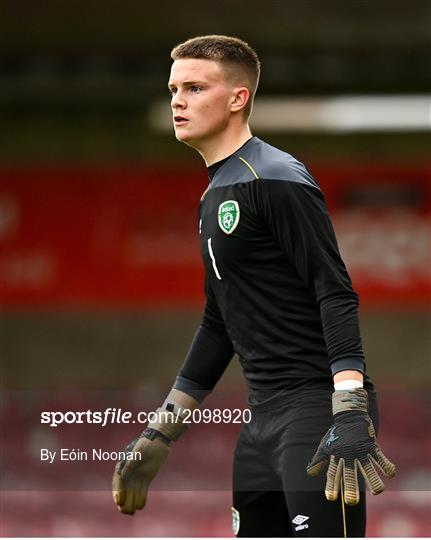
[[240, 98]]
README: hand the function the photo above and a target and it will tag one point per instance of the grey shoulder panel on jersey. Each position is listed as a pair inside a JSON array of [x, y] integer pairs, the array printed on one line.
[[259, 160]]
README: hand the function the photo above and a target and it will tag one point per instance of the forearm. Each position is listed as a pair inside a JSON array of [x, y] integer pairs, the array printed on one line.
[[340, 324], [349, 375], [209, 354]]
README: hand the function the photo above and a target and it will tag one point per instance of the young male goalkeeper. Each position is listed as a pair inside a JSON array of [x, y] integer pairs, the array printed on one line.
[[278, 295]]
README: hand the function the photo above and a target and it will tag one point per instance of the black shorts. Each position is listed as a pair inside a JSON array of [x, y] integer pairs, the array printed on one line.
[[272, 494]]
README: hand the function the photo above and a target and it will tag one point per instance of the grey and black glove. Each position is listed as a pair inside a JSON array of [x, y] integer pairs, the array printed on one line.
[[144, 457], [350, 444]]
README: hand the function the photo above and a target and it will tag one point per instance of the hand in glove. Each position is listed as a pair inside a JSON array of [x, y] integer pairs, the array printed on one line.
[[350, 444], [144, 458]]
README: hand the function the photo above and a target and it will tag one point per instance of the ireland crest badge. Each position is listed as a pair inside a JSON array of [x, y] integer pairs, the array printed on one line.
[[228, 216]]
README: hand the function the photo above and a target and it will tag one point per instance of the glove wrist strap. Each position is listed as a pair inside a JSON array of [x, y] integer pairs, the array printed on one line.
[[349, 400], [152, 434], [170, 421]]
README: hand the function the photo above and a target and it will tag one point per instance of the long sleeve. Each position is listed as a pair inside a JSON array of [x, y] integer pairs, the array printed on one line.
[[209, 354], [297, 215]]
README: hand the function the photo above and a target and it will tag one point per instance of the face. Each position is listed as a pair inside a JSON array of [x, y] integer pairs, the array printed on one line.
[[202, 100]]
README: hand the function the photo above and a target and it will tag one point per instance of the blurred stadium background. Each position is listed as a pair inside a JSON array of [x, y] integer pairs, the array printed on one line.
[[100, 277]]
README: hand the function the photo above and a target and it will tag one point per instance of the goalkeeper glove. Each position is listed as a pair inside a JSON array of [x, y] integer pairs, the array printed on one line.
[[144, 458], [350, 444]]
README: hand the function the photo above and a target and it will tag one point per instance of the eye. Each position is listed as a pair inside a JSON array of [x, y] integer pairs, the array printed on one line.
[[172, 91], [195, 89]]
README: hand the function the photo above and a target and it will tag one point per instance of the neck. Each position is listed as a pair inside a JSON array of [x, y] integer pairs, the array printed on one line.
[[224, 144]]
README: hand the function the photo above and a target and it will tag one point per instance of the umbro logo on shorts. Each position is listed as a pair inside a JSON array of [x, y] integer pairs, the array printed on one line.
[[235, 521], [300, 522]]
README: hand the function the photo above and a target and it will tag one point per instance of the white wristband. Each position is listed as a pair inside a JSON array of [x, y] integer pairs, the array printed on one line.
[[348, 384]]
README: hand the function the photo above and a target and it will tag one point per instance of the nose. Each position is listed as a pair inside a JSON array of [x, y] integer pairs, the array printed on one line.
[[178, 101]]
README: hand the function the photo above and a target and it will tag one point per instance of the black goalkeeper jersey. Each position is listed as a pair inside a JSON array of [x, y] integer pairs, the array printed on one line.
[[277, 291]]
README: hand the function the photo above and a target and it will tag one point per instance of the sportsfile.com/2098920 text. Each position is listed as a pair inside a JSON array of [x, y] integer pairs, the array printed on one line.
[[111, 416]]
